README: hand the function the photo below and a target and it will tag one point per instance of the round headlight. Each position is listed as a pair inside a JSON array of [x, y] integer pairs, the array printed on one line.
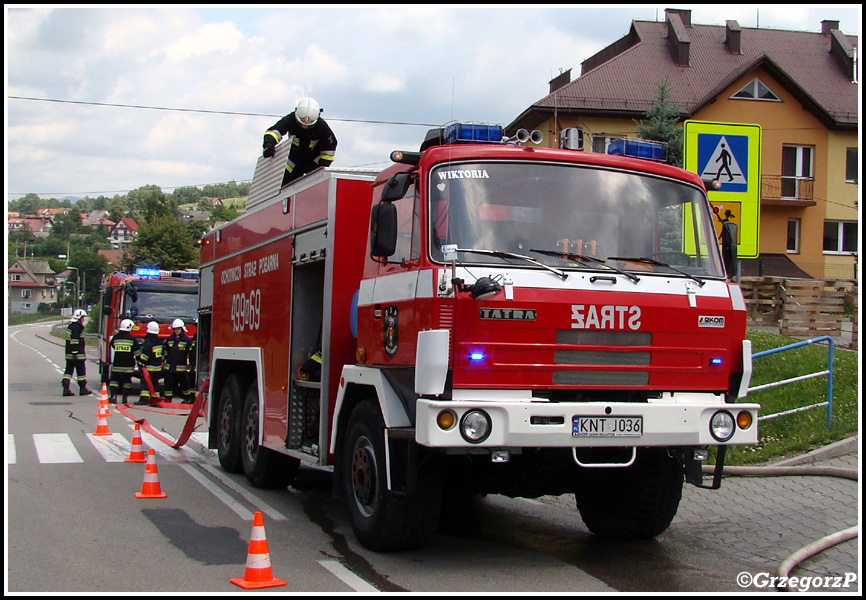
[[722, 426], [475, 426]]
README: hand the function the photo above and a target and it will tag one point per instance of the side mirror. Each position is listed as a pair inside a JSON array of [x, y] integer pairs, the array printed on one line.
[[383, 229], [395, 188], [106, 302]]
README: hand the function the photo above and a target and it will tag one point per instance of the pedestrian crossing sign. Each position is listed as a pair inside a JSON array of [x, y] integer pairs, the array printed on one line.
[[730, 154]]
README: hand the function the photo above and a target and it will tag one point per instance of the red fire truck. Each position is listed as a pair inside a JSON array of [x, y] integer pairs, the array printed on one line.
[[144, 296], [480, 317]]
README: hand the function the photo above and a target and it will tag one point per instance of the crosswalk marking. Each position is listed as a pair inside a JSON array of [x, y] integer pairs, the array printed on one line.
[[59, 448], [113, 448], [56, 448]]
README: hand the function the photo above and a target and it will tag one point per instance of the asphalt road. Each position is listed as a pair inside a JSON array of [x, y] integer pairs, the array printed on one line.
[[74, 525]]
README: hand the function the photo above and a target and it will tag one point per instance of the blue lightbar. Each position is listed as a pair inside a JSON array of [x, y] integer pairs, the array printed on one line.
[[639, 149], [472, 132], [142, 272]]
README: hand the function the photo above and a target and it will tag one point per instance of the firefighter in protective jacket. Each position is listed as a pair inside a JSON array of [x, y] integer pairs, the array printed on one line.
[[150, 358], [313, 145], [123, 350], [75, 355], [178, 352]]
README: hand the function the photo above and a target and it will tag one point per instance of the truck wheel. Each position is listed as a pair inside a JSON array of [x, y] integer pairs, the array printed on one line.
[[382, 520], [636, 502], [228, 426], [264, 467]]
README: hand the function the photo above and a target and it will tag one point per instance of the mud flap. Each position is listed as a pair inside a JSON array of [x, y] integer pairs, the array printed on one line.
[[402, 461]]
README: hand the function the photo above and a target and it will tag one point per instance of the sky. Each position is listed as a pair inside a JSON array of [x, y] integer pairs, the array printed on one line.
[[384, 75]]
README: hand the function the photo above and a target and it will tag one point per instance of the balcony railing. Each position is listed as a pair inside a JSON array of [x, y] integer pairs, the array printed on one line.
[[787, 189]]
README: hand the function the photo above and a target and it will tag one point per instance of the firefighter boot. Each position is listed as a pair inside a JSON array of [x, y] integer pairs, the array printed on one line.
[[66, 390], [83, 390]]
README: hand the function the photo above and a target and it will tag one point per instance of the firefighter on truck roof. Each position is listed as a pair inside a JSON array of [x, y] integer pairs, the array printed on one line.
[[150, 358], [313, 145]]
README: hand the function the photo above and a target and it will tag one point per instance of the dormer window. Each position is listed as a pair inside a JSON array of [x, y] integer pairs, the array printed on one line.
[[756, 90]]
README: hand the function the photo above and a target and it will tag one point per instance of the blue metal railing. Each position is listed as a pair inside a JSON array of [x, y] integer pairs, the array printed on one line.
[[828, 372]]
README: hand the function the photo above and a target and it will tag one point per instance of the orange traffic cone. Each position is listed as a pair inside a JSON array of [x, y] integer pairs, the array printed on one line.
[[136, 454], [150, 485], [258, 571], [103, 403], [101, 425]]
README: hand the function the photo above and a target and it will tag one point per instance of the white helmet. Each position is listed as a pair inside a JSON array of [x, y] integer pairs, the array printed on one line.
[[178, 323], [79, 314], [126, 325], [307, 112], [153, 327]]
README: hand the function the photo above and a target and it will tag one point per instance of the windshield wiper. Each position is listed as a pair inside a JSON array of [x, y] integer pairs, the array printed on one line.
[[651, 261], [501, 254], [585, 259]]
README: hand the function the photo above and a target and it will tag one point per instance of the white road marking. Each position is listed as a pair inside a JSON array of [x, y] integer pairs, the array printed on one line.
[[56, 448], [346, 576]]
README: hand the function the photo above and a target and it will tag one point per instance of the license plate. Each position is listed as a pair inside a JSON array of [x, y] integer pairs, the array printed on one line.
[[606, 426]]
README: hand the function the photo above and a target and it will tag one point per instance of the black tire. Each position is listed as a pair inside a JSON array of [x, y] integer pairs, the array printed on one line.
[[384, 521], [227, 418], [636, 502], [264, 468]]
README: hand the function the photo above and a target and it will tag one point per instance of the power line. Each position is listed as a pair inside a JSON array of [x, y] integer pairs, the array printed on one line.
[[210, 112]]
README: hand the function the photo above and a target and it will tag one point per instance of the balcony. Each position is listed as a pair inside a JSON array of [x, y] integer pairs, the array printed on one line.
[[779, 190]]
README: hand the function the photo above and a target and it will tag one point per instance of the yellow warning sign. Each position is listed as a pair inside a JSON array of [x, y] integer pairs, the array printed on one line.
[[730, 155]]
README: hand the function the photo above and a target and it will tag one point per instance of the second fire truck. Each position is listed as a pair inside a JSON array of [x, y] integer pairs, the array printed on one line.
[[479, 318], [146, 295]]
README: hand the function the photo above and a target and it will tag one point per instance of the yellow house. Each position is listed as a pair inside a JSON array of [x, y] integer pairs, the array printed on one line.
[[799, 86]]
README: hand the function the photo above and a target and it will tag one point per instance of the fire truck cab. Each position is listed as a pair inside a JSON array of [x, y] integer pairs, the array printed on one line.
[[481, 317], [146, 295]]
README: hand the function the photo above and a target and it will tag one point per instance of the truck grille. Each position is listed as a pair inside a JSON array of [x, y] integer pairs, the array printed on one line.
[[617, 378], [600, 358], [580, 337]]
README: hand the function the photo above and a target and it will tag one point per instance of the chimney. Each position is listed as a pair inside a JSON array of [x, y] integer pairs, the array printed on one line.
[[828, 26], [678, 40], [560, 80], [685, 15], [732, 36]]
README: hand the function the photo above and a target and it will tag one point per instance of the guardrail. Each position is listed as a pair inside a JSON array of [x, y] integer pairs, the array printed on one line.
[[828, 372]]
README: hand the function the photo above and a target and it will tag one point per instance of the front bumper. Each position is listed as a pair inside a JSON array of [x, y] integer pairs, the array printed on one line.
[[674, 420]]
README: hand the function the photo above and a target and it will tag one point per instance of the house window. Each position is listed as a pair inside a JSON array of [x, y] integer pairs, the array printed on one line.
[[796, 170], [793, 236], [840, 237], [852, 166], [25, 293], [756, 90]]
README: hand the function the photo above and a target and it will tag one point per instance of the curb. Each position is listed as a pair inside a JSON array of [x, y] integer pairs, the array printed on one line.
[[840, 448]]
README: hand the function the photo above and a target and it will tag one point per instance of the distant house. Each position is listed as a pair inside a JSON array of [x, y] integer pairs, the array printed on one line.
[[114, 257], [31, 283], [123, 233]]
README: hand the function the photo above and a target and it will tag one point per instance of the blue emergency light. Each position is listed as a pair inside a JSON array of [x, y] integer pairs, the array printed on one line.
[[145, 272], [639, 149], [472, 132]]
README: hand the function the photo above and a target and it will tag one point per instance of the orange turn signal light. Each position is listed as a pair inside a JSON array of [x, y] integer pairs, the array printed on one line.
[[446, 419], [744, 419]]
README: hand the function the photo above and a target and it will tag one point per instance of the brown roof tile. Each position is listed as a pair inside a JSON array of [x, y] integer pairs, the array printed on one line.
[[624, 77]]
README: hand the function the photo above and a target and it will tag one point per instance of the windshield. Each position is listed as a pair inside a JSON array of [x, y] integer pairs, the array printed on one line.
[[572, 216], [163, 306]]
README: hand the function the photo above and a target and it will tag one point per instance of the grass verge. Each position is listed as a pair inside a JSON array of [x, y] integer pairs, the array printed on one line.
[[800, 432]]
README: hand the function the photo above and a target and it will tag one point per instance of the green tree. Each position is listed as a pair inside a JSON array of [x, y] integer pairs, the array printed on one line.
[[163, 242], [664, 118]]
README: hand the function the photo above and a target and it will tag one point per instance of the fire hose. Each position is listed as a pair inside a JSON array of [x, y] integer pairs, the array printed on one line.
[[189, 426], [818, 546]]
